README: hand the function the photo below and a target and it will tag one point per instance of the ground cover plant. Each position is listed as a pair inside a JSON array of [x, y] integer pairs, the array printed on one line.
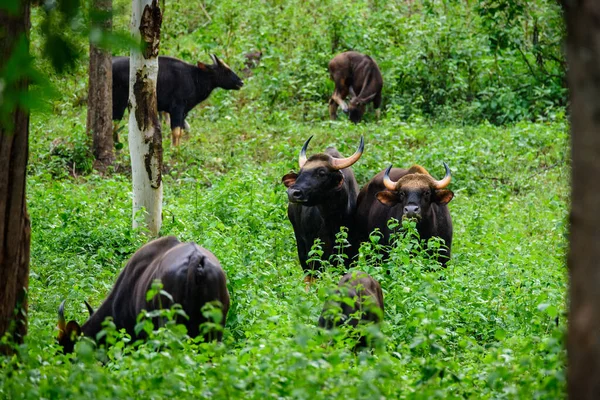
[[488, 326]]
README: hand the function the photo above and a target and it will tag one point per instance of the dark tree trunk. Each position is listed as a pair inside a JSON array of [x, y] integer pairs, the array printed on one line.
[[99, 117], [583, 341], [14, 220]]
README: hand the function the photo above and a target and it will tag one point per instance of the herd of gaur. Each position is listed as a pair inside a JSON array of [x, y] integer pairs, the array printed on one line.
[[323, 197]]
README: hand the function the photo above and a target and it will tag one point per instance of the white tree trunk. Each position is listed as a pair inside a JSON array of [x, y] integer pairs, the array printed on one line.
[[145, 139]]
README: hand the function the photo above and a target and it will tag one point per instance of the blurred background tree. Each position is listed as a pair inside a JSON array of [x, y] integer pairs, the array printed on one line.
[[99, 103], [16, 75], [23, 88], [583, 339]]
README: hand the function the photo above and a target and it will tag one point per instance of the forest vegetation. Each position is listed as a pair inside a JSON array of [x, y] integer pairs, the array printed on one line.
[[478, 85]]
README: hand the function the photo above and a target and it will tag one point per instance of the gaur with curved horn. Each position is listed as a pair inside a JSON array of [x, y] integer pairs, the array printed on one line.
[[357, 75], [413, 193], [322, 199]]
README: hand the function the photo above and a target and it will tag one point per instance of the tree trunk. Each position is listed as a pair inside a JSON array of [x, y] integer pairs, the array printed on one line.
[[583, 340], [14, 220], [145, 139], [99, 116]]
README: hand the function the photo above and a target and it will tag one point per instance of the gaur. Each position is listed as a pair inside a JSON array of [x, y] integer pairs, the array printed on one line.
[[180, 87], [402, 193], [357, 75], [322, 199], [191, 274]]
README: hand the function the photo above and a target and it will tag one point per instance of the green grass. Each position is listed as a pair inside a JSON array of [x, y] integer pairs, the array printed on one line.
[[485, 327]]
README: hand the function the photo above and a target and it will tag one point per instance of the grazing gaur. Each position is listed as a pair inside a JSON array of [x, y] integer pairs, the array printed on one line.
[[180, 87], [191, 274], [322, 199], [358, 75], [366, 299], [412, 193]]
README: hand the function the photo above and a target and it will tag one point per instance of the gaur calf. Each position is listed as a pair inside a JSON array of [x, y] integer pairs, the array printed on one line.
[[358, 299]]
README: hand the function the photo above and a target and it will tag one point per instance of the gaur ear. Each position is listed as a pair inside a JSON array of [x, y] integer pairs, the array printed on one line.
[[202, 66], [69, 331], [73, 330], [387, 198], [443, 196], [289, 179]]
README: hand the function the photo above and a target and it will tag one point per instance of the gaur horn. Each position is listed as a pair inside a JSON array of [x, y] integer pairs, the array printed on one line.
[[341, 163], [62, 324], [387, 182], [302, 158], [90, 309], [445, 181], [368, 98]]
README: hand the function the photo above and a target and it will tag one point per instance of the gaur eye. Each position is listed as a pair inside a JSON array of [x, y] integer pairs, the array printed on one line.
[[322, 172], [427, 193]]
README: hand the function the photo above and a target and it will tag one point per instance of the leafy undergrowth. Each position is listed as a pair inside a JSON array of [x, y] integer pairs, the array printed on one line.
[[485, 327]]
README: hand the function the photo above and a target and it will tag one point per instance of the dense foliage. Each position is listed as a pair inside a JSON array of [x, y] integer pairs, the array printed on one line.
[[499, 61], [488, 326], [495, 60]]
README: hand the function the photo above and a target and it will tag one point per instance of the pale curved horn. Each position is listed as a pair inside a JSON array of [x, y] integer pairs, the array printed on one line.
[[62, 324], [445, 180], [387, 182], [341, 163], [302, 158], [368, 98]]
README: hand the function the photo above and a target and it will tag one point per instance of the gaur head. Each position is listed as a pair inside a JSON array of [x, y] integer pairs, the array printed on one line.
[[69, 332], [319, 176], [415, 191], [224, 77], [357, 106]]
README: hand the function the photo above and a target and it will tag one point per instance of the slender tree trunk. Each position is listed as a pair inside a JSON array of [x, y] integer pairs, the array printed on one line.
[[583, 340], [145, 139], [99, 117], [14, 220]]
